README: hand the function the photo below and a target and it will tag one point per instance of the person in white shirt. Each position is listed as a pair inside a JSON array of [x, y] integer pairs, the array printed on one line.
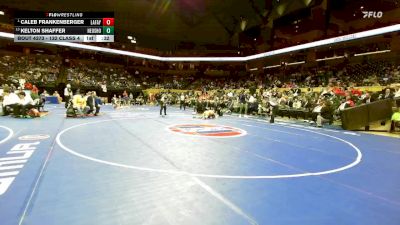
[[10, 101], [252, 99], [25, 99], [104, 89], [45, 94], [297, 104], [59, 99], [67, 94], [10, 98], [25, 103], [397, 93]]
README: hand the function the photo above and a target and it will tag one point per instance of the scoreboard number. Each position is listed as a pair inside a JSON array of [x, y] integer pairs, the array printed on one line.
[[108, 21], [108, 30]]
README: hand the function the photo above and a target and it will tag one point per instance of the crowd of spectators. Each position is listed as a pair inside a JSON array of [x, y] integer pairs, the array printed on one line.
[[91, 75], [315, 106], [225, 94], [21, 103], [117, 77], [88, 75], [380, 73], [32, 69]]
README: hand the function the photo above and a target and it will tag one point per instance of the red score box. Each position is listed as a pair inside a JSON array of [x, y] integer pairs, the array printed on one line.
[[108, 21]]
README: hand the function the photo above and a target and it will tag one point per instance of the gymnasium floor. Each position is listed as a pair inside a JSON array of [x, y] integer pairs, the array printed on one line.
[[131, 166]]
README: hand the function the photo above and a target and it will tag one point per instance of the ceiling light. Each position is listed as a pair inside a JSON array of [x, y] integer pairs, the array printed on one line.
[[296, 63], [268, 67], [371, 53], [1, 13], [133, 41], [330, 58], [130, 37]]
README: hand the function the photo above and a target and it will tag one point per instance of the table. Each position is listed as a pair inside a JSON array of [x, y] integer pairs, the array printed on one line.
[[51, 100]]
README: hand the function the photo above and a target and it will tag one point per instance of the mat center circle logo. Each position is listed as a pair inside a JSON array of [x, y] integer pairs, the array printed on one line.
[[207, 130]]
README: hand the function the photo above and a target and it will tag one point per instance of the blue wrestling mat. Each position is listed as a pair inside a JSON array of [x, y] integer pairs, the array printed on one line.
[[131, 166]]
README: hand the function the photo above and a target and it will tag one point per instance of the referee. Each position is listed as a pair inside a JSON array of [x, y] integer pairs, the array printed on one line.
[[67, 94]]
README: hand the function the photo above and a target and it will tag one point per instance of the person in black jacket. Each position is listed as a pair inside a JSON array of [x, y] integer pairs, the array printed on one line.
[[326, 114], [242, 103], [387, 94], [92, 103]]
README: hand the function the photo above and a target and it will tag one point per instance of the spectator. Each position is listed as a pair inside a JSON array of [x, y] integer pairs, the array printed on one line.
[[326, 114], [79, 103], [10, 101], [25, 103], [59, 99], [395, 120], [387, 94], [92, 104]]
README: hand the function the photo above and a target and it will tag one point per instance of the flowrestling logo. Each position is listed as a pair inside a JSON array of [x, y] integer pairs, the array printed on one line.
[[372, 14], [207, 130]]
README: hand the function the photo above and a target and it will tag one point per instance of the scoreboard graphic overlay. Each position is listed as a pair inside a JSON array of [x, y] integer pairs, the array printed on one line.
[[32, 26]]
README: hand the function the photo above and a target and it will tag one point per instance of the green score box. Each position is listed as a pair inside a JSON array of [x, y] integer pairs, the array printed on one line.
[[108, 30]]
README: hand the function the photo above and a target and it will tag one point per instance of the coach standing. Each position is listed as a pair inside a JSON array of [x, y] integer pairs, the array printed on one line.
[[182, 102], [243, 103], [163, 104]]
